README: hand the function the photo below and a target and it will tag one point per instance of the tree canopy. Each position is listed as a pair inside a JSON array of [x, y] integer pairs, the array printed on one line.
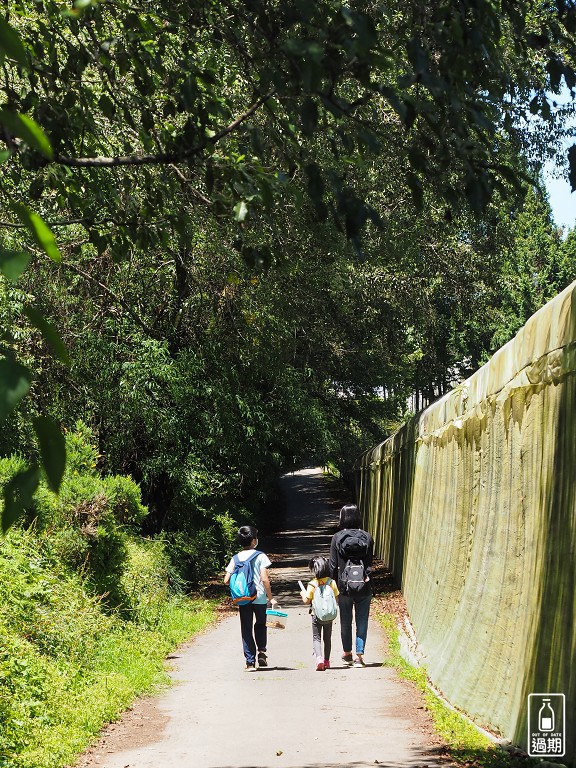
[[262, 219]]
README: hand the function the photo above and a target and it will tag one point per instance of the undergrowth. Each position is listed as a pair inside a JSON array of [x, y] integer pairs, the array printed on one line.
[[67, 664], [88, 612]]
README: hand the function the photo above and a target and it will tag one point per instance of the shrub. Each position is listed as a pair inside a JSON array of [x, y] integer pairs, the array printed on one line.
[[81, 452], [149, 580], [125, 500], [195, 553], [66, 666], [9, 466], [89, 518]]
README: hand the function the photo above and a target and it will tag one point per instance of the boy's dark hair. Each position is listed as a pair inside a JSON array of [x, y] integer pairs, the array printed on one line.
[[350, 516], [245, 535], [319, 566]]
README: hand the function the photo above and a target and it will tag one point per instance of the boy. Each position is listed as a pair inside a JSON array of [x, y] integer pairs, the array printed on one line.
[[253, 615]]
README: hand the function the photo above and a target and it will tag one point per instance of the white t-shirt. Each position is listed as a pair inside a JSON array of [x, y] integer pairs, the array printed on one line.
[[259, 562]]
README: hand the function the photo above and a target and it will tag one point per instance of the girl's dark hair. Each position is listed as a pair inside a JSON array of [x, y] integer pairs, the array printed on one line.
[[350, 516], [319, 566], [245, 535]]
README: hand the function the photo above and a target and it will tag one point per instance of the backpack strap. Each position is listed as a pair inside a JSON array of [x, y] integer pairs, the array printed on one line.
[[238, 562]]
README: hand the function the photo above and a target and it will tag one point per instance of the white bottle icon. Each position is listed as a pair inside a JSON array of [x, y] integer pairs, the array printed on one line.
[[546, 716]]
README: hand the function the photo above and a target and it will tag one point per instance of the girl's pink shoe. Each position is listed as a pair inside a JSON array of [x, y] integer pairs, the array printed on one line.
[[326, 663]]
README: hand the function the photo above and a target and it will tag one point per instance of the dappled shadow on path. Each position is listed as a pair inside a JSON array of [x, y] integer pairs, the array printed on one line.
[[421, 759], [312, 503]]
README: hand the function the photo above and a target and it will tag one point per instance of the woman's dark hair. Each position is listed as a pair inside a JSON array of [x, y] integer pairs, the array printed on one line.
[[245, 535], [319, 566], [350, 516]]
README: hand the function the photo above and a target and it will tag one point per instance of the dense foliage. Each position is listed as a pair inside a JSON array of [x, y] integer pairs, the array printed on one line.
[[88, 611], [246, 232]]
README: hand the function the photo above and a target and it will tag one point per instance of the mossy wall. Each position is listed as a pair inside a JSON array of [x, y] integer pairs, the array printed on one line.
[[473, 506]]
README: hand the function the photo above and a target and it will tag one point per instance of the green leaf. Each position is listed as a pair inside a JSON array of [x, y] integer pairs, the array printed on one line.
[[107, 105], [49, 332], [555, 69], [570, 77], [409, 115], [417, 55], [415, 186], [11, 45], [266, 194], [256, 141], [309, 116], [52, 450], [14, 384], [572, 167], [315, 184], [366, 36], [27, 129], [13, 263], [18, 495], [395, 102], [417, 159], [240, 211], [478, 193], [5, 154], [39, 229]]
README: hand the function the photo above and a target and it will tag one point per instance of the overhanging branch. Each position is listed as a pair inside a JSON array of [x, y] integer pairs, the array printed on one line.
[[161, 158], [116, 299]]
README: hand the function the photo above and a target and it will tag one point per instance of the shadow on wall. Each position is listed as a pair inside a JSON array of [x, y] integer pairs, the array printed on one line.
[[404, 473], [385, 480], [553, 657]]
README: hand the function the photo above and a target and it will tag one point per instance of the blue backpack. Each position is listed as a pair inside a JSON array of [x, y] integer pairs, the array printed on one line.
[[242, 587]]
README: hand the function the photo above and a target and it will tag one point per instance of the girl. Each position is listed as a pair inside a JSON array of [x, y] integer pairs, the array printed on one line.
[[319, 566]]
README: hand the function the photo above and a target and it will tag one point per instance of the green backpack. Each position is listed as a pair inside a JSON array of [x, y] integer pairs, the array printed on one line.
[[324, 602]]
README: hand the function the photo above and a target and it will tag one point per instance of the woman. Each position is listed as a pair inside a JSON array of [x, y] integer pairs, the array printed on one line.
[[352, 545]]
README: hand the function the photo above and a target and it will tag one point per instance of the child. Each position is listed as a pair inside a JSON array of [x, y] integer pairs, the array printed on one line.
[[253, 615], [320, 568]]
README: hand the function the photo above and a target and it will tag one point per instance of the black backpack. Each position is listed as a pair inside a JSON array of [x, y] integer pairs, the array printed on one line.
[[353, 547]]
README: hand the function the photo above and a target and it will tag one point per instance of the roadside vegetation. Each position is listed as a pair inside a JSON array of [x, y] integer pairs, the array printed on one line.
[[88, 611], [466, 745]]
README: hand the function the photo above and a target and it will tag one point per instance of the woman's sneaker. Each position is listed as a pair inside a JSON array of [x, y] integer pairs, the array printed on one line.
[[319, 664], [359, 662], [326, 663], [347, 659], [262, 660]]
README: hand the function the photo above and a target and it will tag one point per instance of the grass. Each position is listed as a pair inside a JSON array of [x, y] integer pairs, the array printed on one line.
[[465, 744], [68, 664], [129, 662]]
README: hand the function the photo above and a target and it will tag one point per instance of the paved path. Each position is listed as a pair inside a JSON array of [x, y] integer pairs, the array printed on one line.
[[290, 716]]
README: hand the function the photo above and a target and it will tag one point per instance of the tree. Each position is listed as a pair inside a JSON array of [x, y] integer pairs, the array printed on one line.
[[121, 123]]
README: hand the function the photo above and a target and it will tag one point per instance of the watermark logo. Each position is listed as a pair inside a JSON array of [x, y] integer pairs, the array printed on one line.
[[546, 724]]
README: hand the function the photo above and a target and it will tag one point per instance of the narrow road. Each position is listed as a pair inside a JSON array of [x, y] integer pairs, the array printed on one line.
[[288, 715]]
